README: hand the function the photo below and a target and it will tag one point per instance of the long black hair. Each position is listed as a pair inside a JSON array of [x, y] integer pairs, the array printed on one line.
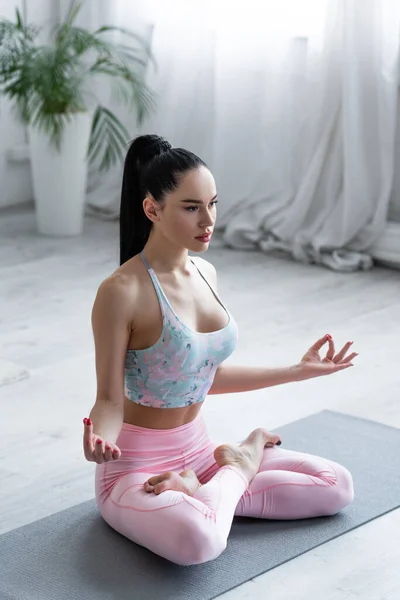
[[151, 166]]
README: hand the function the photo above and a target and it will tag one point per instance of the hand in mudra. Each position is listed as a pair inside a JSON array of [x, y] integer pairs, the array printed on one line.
[[95, 448], [312, 365]]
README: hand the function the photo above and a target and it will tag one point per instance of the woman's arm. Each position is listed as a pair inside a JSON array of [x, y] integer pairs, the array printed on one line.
[[230, 379], [111, 322]]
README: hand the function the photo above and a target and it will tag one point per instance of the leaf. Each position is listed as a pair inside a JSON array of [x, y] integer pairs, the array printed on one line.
[[143, 42], [123, 31], [19, 19], [64, 29], [108, 138], [73, 12], [109, 133]]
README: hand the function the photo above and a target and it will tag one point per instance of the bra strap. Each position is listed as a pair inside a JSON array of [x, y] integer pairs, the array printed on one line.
[[145, 261], [159, 291], [210, 286]]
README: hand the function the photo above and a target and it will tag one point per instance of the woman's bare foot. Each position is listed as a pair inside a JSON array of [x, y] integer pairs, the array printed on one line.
[[181, 482], [246, 457]]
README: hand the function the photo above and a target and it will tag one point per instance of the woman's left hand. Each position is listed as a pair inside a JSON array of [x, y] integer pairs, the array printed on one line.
[[312, 365]]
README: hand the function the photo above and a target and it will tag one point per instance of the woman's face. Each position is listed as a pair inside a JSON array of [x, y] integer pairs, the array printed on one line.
[[188, 214]]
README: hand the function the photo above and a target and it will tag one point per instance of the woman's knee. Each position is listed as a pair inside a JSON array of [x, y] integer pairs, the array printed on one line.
[[198, 542], [172, 529], [342, 493]]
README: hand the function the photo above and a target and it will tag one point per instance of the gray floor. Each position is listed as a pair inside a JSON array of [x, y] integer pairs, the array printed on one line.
[[47, 290]]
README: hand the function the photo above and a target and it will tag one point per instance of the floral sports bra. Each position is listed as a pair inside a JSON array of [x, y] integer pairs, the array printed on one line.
[[179, 368]]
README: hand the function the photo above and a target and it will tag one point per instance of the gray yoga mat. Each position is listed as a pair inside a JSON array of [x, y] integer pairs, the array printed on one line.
[[74, 555]]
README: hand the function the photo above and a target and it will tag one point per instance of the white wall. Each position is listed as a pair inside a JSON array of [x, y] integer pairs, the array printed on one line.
[[15, 177]]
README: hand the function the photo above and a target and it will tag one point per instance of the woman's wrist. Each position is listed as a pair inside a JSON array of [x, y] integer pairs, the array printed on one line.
[[107, 419], [298, 372]]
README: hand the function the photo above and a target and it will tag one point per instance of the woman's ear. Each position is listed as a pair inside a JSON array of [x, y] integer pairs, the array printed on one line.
[[151, 209]]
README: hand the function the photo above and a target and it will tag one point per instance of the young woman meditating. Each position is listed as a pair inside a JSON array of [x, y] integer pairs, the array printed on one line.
[[162, 336]]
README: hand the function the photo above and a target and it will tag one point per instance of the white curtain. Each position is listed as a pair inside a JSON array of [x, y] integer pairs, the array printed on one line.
[[394, 212], [293, 104]]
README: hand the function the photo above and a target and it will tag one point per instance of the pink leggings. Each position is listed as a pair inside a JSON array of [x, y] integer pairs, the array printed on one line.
[[190, 530]]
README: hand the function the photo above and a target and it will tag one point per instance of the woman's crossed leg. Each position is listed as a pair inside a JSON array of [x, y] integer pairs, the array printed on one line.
[[295, 485], [192, 528], [186, 529]]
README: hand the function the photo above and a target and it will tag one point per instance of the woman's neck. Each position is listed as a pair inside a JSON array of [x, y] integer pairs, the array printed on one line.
[[165, 257]]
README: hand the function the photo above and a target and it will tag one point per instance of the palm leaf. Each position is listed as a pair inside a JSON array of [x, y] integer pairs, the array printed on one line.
[[80, 40], [63, 30], [143, 43], [108, 138], [19, 19]]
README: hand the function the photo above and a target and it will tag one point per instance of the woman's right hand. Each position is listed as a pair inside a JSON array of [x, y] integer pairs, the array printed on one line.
[[95, 448]]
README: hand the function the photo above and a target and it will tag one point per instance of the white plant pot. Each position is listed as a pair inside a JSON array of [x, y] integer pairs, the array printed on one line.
[[59, 177]]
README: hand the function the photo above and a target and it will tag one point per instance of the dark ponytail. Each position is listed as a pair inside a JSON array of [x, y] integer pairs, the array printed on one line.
[[151, 166]]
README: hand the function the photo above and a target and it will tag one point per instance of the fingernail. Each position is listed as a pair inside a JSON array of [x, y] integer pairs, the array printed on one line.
[[108, 447], [328, 335], [278, 443], [84, 420], [88, 422], [99, 442]]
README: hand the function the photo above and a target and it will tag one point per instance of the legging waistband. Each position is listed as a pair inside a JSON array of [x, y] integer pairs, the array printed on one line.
[[136, 440]]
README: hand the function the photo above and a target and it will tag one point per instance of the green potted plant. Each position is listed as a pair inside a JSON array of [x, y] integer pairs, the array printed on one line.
[[52, 87]]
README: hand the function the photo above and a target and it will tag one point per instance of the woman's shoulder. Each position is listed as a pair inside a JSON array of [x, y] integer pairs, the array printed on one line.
[[206, 268], [123, 284]]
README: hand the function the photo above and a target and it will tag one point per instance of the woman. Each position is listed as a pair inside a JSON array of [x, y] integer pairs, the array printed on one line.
[[161, 338]]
